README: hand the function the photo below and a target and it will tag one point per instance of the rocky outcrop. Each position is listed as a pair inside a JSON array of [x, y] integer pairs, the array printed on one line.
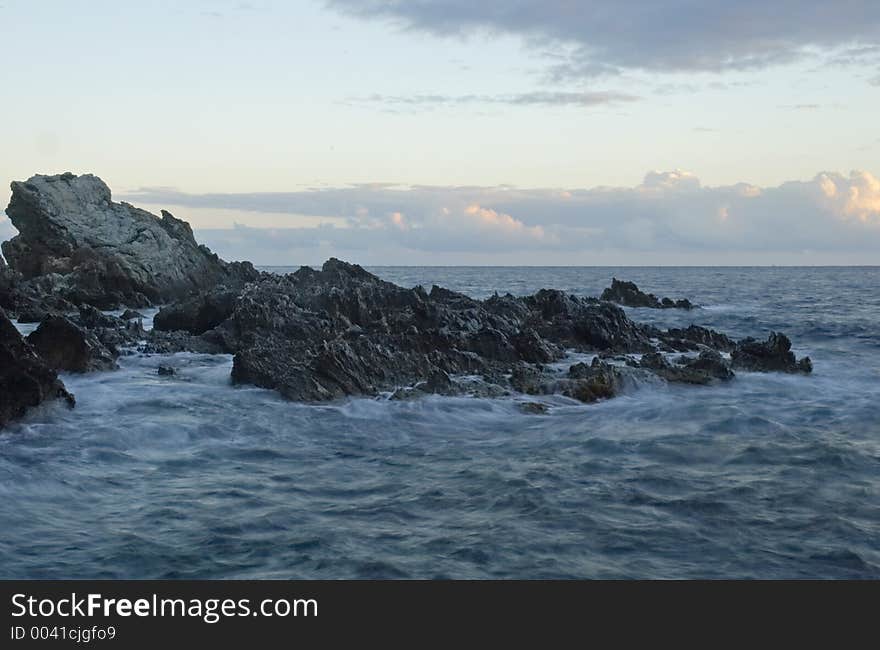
[[595, 382], [709, 366], [25, 379], [319, 335], [772, 355], [74, 242], [199, 313], [694, 338], [65, 346], [628, 294]]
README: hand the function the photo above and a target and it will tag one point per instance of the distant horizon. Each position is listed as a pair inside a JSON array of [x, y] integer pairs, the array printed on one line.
[[577, 266]]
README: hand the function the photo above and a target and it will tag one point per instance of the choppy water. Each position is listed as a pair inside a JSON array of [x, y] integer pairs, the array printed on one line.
[[771, 476]]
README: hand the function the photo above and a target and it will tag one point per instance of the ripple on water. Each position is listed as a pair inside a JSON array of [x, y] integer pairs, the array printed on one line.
[[768, 476]]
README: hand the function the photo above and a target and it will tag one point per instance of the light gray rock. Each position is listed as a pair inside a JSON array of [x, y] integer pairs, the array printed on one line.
[[89, 249]]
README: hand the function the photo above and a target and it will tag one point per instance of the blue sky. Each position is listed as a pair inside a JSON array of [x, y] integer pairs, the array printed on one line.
[[517, 132]]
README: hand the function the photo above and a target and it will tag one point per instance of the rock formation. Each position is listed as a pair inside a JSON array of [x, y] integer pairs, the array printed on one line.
[[65, 346], [76, 243], [772, 355], [25, 379], [628, 294], [709, 366]]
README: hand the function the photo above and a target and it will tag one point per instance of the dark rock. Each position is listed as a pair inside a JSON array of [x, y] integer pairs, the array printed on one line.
[[595, 382], [772, 355], [693, 337], [627, 293], [437, 383], [198, 314], [91, 317], [25, 379], [166, 371], [131, 314], [584, 324], [533, 408], [32, 315], [157, 342], [706, 368], [65, 346]]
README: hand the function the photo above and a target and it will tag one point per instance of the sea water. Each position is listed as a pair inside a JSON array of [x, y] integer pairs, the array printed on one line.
[[767, 476]]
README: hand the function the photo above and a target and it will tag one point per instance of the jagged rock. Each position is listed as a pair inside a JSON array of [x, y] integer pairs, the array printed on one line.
[[627, 293], [584, 324], [131, 314], [437, 383], [198, 314], [30, 315], [65, 346], [591, 383], [166, 371], [8, 282], [693, 337], [707, 367], [157, 342], [90, 250], [25, 379], [91, 317], [772, 355], [318, 335]]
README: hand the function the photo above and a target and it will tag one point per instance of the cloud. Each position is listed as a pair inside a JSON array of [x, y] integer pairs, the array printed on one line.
[[596, 37], [537, 98], [670, 213]]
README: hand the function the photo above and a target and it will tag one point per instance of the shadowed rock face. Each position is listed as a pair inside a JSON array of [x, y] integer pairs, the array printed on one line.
[[25, 379], [318, 335], [321, 335], [772, 355], [706, 368], [627, 293], [75, 242], [65, 346]]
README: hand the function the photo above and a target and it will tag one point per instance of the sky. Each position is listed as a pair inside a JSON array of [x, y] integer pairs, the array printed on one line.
[[525, 132]]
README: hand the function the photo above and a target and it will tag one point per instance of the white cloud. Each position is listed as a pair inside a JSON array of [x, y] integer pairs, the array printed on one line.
[[670, 213], [855, 197]]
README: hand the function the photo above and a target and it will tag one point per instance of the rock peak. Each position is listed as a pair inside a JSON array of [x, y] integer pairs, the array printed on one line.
[[103, 253]]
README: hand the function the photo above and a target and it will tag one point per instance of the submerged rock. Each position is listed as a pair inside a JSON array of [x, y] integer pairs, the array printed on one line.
[[533, 408], [88, 249], [166, 371], [26, 380], [772, 355], [131, 314], [627, 293], [65, 346], [595, 382]]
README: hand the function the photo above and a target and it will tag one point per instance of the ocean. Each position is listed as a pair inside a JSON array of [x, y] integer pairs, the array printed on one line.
[[768, 476]]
